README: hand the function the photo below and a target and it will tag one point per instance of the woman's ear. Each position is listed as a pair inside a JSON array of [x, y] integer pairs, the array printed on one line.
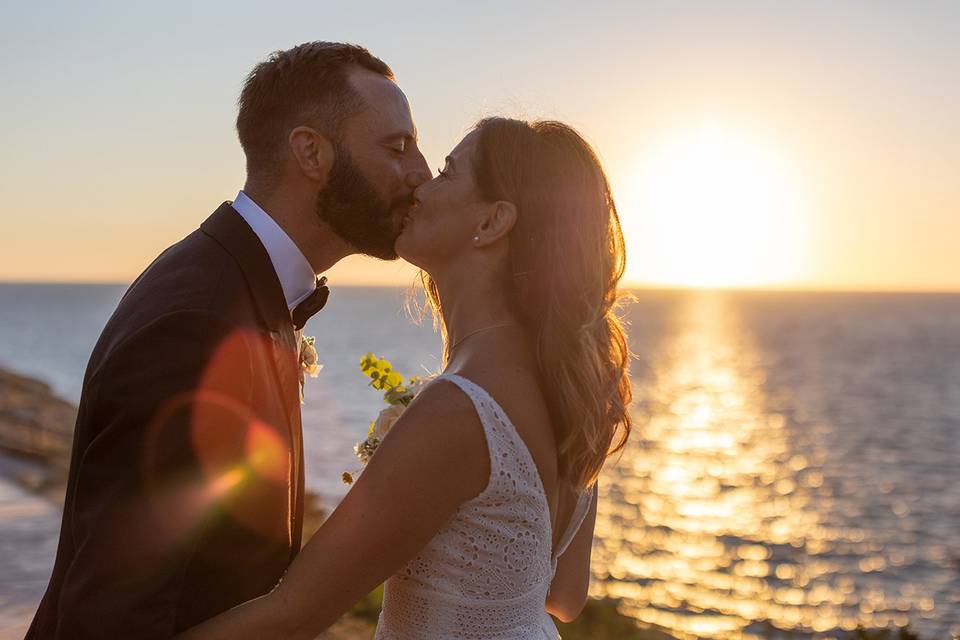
[[497, 224], [313, 153]]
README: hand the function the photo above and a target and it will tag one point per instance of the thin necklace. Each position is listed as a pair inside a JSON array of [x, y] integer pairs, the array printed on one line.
[[476, 331]]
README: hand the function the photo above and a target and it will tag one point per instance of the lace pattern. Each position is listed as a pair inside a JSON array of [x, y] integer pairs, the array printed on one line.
[[486, 574]]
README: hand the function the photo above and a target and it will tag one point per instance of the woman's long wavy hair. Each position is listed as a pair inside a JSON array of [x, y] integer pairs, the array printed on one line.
[[566, 258]]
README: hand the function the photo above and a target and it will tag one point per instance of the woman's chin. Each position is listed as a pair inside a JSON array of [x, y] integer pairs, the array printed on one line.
[[405, 248]]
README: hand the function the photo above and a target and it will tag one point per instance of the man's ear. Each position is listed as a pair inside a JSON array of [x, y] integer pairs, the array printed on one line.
[[313, 153], [497, 224]]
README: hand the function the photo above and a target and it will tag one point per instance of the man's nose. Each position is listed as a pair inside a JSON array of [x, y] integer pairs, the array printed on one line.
[[419, 172], [418, 194]]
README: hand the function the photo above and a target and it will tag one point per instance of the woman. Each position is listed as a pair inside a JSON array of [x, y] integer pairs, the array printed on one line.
[[478, 508]]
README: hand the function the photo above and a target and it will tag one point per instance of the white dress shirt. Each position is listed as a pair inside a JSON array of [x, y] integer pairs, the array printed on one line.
[[293, 270]]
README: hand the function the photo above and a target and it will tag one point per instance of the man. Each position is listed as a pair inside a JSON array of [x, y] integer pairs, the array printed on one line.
[[185, 492]]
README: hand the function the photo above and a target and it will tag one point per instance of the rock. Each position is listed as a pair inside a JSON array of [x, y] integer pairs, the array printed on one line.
[[34, 421]]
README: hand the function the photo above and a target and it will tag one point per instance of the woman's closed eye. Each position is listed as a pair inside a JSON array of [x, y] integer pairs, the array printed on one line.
[[448, 168]]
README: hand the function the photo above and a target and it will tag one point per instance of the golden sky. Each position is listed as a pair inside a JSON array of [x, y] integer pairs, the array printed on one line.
[[749, 144]]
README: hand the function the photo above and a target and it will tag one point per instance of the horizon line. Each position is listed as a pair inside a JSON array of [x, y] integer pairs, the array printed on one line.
[[628, 286]]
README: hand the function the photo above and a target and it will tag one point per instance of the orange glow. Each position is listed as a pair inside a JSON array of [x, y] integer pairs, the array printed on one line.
[[240, 463], [713, 209], [221, 486], [266, 452]]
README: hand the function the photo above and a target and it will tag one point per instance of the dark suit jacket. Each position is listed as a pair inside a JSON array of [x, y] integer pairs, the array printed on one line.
[[185, 492]]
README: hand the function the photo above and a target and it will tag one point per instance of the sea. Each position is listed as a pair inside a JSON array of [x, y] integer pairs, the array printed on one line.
[[793, 469]]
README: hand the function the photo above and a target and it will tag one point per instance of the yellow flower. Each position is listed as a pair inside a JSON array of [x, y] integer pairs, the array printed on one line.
[[367, 361], [394, 379], [397, 395]]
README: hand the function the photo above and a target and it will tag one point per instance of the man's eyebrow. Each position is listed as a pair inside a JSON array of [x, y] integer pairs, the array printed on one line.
[[449, 161], [401, 135]]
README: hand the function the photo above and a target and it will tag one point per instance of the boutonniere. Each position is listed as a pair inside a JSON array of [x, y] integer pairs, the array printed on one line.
[[309, 363], [397, 394]]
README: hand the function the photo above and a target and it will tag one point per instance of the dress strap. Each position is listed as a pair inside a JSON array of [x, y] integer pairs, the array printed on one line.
[[579, 515]]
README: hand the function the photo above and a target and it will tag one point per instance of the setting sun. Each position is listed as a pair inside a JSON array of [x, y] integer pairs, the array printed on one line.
[[713, 209]]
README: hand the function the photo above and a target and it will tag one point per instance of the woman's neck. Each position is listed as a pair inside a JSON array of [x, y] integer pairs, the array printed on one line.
[[472, 303]]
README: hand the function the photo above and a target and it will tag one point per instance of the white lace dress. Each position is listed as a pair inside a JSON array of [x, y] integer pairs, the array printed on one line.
[[486, 574]]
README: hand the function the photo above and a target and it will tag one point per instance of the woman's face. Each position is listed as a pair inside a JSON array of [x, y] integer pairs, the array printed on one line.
[[446, 213]]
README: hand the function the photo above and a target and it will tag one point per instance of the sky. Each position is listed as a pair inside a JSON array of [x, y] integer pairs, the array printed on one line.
[[804, 145]]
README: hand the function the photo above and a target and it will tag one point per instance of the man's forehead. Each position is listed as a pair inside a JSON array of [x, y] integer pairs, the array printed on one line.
[[383, 101]]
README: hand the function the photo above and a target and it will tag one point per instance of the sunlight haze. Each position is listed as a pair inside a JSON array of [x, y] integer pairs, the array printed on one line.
[[750, 144]]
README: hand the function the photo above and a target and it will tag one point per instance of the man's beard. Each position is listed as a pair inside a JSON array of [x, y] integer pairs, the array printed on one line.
[[355, 211]]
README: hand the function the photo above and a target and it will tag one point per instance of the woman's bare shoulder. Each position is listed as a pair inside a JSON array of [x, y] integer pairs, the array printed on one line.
[[442, 432]]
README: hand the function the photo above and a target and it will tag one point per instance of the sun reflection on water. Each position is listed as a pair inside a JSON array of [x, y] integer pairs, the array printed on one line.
[[710, 523]]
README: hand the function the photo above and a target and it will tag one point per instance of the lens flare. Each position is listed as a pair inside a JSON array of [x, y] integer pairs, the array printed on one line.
[[207, 455]]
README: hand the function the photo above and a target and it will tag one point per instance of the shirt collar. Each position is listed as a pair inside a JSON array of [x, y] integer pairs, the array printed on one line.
[[293, 270]]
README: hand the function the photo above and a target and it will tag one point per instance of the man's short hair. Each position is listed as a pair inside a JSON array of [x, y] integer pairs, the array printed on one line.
[[305, 85]]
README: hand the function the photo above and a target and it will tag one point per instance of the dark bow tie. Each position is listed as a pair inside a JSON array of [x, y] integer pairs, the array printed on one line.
[[311, 305]]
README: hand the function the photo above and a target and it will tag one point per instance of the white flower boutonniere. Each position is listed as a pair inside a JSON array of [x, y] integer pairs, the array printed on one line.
[[309, 363]]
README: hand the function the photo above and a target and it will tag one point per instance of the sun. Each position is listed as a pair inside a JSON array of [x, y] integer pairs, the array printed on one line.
[[712, 209]]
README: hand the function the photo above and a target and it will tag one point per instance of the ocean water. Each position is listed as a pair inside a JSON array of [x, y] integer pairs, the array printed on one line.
[[794, 469]]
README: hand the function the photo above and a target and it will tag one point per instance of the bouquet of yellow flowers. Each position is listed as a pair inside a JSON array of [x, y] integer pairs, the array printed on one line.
[[396, 393]]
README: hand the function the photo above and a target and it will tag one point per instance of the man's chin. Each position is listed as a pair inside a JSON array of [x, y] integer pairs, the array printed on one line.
[[386, 250], [382, 250], [379, 245], [389, 257]]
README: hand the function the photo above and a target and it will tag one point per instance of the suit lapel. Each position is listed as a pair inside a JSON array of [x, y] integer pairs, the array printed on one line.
[[228, 228]]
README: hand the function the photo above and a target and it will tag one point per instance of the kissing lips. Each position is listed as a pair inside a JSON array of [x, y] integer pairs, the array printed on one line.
[[405, 220], [406, 215]]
